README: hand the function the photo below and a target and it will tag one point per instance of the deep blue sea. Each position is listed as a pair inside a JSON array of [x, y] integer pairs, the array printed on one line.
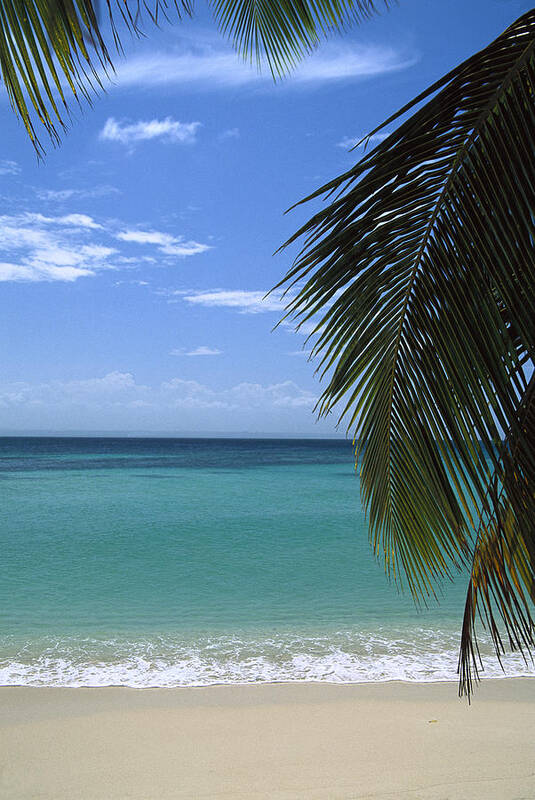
[[172, 562]]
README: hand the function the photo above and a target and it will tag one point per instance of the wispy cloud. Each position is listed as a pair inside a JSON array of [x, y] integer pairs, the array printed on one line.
[[303, 352], [231, 133], [352, 141], [167, 130], [62, 195], [244, 301], [75, 220], [210, 67], [131, 283], [250, 302], [8, 167], [203, 350], [166, 244], [338, 61]]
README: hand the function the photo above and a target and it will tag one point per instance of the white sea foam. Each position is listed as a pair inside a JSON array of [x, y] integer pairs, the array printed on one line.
[[172, 661]]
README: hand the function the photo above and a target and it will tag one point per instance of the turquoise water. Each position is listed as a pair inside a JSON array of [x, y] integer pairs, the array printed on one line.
[[167, 562]]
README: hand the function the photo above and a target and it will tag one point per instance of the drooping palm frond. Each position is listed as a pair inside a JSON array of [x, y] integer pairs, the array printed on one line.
[[421, 274], [40, 44], [53, 50], [502, 574], [283, 32]]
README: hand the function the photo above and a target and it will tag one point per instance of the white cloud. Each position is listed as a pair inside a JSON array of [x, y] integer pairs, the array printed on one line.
[[8, 167], [96, 251], [34, 247], [287, 394], [145, 237], [307, 328], [183, 249], [81, 220], [130, 260], [179, 393], [249, 302], [231, 133], [349, 142], [115, 387], [246, 302], [47, 249], [166, 244], [303, 352], [118, 391], [203, 350], [168, 130], [131, 283], [338, 61], [62, 195], [210, 66], [111, 385], [78, 220], [242, 396]]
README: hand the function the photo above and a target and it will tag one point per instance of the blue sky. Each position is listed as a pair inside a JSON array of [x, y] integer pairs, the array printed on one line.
[[135, 256]]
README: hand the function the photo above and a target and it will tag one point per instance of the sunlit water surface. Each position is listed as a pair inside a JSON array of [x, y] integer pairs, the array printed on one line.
[[172, 562]]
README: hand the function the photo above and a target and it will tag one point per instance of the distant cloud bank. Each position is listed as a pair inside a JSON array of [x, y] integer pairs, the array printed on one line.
[[117, 399]]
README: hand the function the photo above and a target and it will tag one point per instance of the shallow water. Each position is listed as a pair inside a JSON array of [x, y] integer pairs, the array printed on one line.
[[167, 562]]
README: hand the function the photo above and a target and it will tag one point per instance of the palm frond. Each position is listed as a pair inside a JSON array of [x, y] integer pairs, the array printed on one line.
[[281, 33], [421, 274], [51, 50], [54, 50], [502, 577]]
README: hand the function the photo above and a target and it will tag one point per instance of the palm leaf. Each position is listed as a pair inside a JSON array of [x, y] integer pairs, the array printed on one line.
[[54, 49], [502, 575], [39, 43], [420, 275], [283, 32]]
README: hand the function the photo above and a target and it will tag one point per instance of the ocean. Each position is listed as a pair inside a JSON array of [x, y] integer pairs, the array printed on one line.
[[189, 562]]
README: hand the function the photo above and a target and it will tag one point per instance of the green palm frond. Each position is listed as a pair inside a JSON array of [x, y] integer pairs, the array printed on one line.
[[53, 50], [42, 43], [502, 577], [283, 32], [421, 275]]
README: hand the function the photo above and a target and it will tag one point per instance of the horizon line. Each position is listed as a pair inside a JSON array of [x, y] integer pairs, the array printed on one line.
[[79, 434]]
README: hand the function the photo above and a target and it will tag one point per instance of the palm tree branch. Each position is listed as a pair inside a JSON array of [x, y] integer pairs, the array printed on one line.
[[502, 574], [48, 45], [392, 241], [283, 32]]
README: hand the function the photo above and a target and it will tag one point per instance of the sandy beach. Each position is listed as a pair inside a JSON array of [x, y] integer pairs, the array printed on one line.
[[391, 740]]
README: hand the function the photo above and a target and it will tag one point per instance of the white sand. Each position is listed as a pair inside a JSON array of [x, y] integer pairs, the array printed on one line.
[[279, 742]]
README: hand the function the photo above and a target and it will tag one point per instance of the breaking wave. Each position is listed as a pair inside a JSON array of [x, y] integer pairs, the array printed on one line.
[[419, 655]]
